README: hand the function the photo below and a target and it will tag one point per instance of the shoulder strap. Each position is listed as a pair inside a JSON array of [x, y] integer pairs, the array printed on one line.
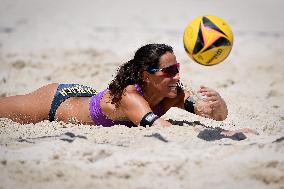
[[139, 89]]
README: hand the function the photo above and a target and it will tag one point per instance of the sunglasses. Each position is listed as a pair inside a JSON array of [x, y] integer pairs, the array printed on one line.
[[169, 71]]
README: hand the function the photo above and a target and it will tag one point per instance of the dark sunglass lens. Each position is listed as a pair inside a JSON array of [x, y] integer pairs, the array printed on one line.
[[172, 70]]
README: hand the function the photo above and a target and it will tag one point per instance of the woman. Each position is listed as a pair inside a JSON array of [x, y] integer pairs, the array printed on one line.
[[144, 89]]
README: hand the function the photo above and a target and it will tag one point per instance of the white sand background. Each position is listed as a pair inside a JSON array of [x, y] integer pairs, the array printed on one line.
[[85, 41]]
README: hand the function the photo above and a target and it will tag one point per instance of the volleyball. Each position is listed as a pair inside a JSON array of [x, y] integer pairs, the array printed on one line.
[[208, 40]]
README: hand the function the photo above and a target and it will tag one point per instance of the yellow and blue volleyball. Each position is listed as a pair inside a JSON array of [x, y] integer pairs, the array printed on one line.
[[208, 40]]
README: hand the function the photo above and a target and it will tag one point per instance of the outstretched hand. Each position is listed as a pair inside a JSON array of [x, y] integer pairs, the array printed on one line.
[[212, 106]]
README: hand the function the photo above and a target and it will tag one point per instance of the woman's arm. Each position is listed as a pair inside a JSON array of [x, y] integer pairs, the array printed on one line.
[[211, 106], [135, 107], [216, 103]]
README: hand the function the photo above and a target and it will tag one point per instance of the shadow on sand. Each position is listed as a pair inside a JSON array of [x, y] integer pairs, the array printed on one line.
[[210, 133]]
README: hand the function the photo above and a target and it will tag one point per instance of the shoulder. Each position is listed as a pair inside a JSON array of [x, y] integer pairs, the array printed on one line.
[[132, 89], [133, 104], [131, 92]]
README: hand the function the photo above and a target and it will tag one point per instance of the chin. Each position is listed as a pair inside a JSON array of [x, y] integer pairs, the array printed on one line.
[[172, 95]]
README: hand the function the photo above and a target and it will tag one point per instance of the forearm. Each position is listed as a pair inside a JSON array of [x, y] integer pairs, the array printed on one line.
[[162, 122]]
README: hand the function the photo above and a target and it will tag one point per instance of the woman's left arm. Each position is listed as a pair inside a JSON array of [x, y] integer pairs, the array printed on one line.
[[212, 106], [216, 103]]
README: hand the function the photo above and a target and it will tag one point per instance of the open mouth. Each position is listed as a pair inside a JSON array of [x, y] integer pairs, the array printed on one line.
[[173, 86]]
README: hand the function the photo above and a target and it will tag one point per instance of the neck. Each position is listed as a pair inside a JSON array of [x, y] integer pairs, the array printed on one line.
[[152, 98]]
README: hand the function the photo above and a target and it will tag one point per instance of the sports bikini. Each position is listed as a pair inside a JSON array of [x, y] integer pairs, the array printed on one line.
[[100, 119], [65, 91]]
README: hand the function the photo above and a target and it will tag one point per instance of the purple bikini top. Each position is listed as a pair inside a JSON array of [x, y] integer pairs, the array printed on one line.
[[100, 119]]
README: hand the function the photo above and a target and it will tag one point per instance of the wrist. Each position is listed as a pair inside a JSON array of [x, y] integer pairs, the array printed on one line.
[[189, 105]]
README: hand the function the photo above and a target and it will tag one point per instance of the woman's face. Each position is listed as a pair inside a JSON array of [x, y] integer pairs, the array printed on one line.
[[165, 84]]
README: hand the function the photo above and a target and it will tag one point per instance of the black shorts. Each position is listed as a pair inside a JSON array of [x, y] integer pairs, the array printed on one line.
[[65, 91]]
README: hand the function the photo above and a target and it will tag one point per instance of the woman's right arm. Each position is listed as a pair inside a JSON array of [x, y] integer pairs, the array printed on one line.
[[136, 107]]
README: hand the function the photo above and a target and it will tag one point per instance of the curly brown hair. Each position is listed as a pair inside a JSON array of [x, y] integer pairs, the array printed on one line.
[[130, 73]]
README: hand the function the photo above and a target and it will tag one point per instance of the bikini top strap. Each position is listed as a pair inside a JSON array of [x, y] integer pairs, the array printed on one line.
[[139, 89]]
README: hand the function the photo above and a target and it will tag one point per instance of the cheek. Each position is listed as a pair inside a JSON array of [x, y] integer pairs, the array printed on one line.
[[163, 84]]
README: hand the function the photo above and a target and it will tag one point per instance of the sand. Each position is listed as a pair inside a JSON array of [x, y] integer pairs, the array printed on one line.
[[84, 42]]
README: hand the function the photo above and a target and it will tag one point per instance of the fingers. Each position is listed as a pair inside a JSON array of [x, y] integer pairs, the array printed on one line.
[[207, 91], [212, 98], [203, 89], [215, 105], [204, 109]]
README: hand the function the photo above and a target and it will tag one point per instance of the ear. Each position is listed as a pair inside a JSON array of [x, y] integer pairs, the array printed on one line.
[[145, 76]]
